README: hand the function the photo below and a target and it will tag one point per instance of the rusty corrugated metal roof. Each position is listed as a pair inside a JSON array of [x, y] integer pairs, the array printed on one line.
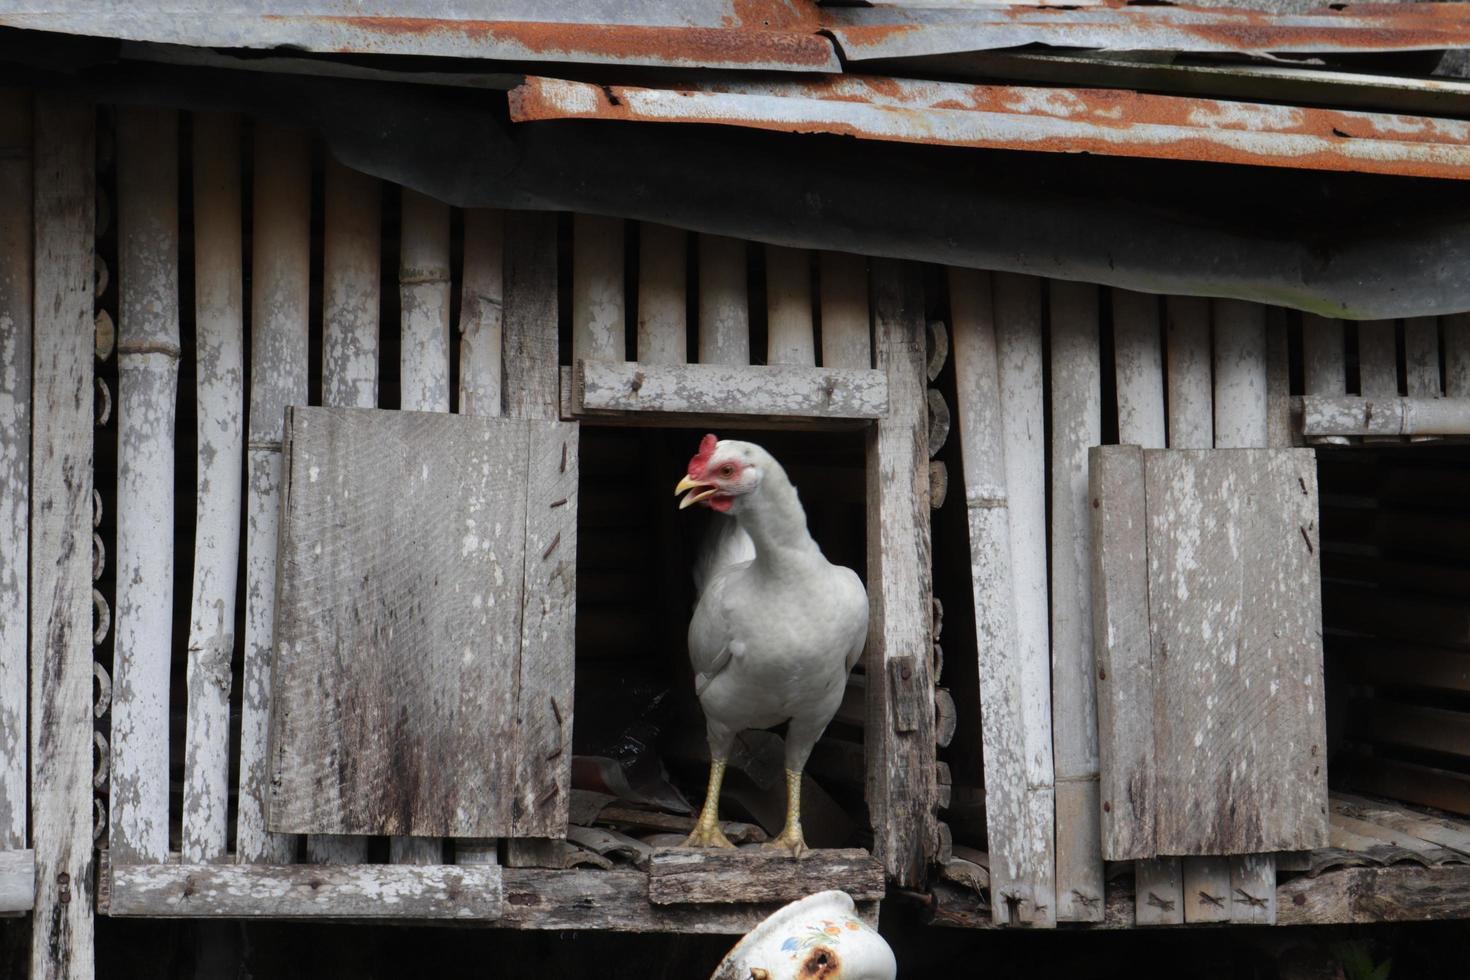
[[1061, 120]]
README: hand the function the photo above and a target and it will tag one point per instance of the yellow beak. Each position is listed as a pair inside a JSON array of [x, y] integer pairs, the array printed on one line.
[[688, 483]]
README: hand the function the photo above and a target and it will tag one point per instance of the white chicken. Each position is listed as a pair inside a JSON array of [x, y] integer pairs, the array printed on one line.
[[777, 627]]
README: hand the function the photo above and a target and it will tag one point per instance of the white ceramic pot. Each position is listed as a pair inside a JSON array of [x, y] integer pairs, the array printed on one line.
[[819, 937]]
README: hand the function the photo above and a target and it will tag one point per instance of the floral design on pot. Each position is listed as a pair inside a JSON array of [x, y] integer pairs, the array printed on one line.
[[819, 937]]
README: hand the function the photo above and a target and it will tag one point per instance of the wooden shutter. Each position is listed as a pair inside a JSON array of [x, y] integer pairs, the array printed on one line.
[[1207, 606], [423, 674]]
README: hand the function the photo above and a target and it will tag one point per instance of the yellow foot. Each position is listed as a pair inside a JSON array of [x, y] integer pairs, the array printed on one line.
[[790, 841], [708, 835]]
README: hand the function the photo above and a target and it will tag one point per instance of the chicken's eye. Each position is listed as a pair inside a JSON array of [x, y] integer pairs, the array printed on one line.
[[727, 471]]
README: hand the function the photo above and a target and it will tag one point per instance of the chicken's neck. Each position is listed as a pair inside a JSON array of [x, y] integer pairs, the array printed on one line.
[[776, 523]]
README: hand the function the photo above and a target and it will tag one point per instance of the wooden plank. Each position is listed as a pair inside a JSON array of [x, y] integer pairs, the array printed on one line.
[[597, 289], [1402, 893], [543, 735], [482, 296], [1280, 415], [1424, 785], [423, 288], [724, 311], [16, 284], [313, 892], [530, 354], [1138, 361], [1324, 362], [1456, 355], [685, 876], [1207, 889], [1020, 862], [148, 379], [17, 877], [1235, 628], [1417, 726], [1253, 889], [219, 334], [749, 390], [846, 325], [434, 628], [1158, 892], [279, 300], [901, 787], [1434, 830], [1421, 357], [1125, 687], [1386, 417], [1378, 373], [351, 287], [1240, 374], [662, 303], [1076, 425], [1190, 416], [790, 339], [61, 573]]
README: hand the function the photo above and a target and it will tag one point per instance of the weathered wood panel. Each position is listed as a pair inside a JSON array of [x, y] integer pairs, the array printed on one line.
[[724, 306], [1138, 361], [775, 390], [900, 789], [280, 278], [351, 287], [662, 301], [220, 391], [530, 355], [61, 532], [369, 891], [1378, 358], [1456, 355], [790, 339], [1207, 889], [401, 542], [1363, 895], [1076, 427], [597, 288], [846, 326], [148, 378], [1190, 419], [1125, 690], [1421, 357], [17, 878], [1158, 892], [482, 296], [1240, 374], [1235, 624], [423, 288], [16, 284], [683, 876]]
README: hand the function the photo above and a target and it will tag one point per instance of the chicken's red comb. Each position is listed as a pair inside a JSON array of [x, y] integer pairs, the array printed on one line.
[[701, 458]]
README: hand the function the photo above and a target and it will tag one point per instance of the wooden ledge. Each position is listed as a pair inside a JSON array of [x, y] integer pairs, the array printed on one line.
[[17, 881], [679, 876], [1402, 893]]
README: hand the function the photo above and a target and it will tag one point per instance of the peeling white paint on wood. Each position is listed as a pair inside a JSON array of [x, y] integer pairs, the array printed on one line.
[[1076, 426], [752, 390], [280, 276], [790, 338], [17, 876], [423, 289], [351, 286], [61, 580], [16, 284], [1190, 406], [663, 315], [369, 891], [846, 326], [219, 370], [482, 296], [724, 306], [148, 374], [597, 289]]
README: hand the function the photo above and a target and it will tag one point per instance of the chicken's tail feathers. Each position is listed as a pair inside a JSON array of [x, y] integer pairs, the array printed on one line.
[[724, 544]]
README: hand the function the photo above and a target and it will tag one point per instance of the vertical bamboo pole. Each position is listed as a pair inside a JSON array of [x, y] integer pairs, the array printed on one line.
[[1139, 366], [1206, 880], [481, 303], [15, 454], [480, 364], [597, 289], [351, 298], [1378, 374], [1324, 362], [1017, 302], [1076, 412], [662, 305], [724, 311], [1279, 424], [279, 298], [220, 369], [1421, 357], [1457, 355], [61, 573], [846, 330], [423, 277], [790, 339], [148, 377], [1241, 421]]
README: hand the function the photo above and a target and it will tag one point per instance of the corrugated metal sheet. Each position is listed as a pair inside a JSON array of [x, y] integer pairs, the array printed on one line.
[[865, 34], [736, 34], [1060, 120]]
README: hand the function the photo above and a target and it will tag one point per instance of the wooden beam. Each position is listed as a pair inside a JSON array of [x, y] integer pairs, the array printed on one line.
[[17, 880], [481, 306], [790, 338], [1402, 893], [846, 323], [684, 876], [663, 311], [724, 306], [1351, 416], [597, 288], [773, 390], [61, 534]]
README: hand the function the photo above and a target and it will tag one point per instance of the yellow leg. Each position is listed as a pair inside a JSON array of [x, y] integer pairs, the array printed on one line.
[[707, 832], [791, 838]]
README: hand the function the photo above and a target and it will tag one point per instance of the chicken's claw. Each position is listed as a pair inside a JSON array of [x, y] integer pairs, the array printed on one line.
[[791, 841], [708, 835]]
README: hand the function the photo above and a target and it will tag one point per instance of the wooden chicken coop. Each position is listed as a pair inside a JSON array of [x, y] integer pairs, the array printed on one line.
[[347, 364]]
